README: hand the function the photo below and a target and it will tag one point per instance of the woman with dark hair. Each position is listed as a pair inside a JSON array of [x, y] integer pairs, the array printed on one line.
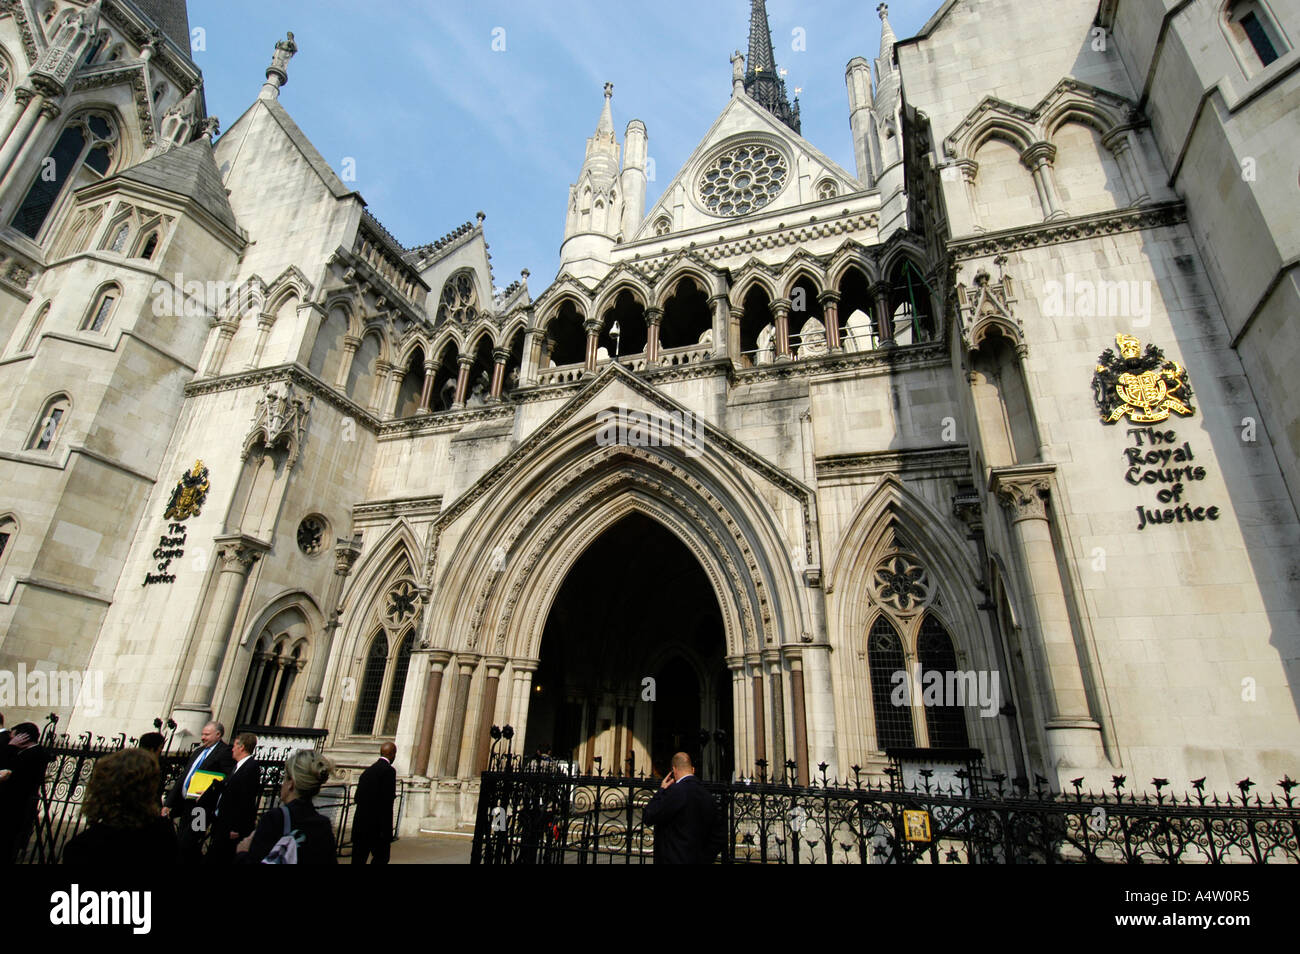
[[121, 804], [304, 774]]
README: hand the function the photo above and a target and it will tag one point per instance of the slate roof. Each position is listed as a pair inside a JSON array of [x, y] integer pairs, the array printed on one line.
[[171, 17], [190, 171]]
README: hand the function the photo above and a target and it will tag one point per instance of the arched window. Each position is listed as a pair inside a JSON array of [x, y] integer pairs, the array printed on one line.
[[158, 92], [119, 238], [83, 153], [884, 659], [663, 226], [372, 685], [34, 329], [459, 299], [49, 424], [97, 44], [1255, 34], [909, 302], [150, 246], [8, 532], [934, 651], [403, 663], [102, 310], [827, 189]]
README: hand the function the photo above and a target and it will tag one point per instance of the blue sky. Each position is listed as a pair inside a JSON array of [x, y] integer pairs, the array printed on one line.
[[441, 125]]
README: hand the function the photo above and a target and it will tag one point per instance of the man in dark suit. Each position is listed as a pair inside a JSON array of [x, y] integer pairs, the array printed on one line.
[[22, 771], [194, 815], [681, 814], [372, 828], [235, 813]]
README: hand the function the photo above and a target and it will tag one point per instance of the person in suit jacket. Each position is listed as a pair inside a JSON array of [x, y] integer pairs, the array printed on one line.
[[681, 814], [22, 772], [372, 827], [193, 816], [235, 813]]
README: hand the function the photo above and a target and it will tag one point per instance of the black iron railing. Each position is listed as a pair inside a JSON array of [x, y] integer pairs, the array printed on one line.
[[530, 812], [71, 762]]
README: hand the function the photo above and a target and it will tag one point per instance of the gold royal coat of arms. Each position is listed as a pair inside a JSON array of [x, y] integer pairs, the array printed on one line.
[[1142, 385], [188, 496]]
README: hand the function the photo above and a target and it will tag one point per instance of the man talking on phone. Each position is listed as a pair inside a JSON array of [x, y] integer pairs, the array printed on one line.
[[681, 813]]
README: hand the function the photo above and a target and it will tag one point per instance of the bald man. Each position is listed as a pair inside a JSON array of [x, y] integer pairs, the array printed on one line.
[[372, 826], [193, 814], [682, 815]]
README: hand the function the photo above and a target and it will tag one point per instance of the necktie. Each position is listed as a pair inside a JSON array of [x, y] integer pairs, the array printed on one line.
[[194, 768]]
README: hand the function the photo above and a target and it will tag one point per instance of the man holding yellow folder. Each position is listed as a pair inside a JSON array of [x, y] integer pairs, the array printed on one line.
[[191, 800]]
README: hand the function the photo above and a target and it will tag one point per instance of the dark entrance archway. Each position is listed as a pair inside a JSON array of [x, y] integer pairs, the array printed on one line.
[[632, 660]]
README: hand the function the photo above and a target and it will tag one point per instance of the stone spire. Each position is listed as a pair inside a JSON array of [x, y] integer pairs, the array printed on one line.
[[762, 81], [605, 127], [887, 38], [277, 74]]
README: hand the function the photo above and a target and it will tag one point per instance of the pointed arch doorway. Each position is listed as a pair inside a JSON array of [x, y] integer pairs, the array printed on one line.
[[632, 662]]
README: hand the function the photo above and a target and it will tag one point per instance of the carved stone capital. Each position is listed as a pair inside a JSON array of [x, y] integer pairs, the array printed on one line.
[[345, 555], [1023, 491], [238, 553], [1038, 153], [654, 316]]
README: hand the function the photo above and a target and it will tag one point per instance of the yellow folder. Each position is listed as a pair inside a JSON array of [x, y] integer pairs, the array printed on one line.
[[201, 781]]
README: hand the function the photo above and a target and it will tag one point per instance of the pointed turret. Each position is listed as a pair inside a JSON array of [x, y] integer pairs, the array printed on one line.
[[763, 82], [887, 38], [598, 213], [67, 51]]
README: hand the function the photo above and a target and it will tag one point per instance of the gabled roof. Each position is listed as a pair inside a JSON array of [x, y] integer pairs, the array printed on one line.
[[188, 171], [300, 141], [757, 119]]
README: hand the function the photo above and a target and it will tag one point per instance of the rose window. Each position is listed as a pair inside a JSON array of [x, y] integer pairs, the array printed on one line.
[[400, 605], [743, 180], [902, 582], [311, 534], [458, 299]]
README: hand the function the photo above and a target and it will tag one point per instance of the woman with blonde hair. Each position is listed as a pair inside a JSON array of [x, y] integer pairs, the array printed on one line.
[[121, 804], [305, 772]]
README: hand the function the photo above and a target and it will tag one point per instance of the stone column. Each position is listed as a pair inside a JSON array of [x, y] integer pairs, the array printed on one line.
[[19, 103], [776, 684], [438, 659], [264, 323], [884, 318], [653, 319], [388, 405], [350, 345], [794, 656], [236, 555], [760, 726], [592, 327], [532, 356], [1073, 737], [426, 389], [467, 663], [781, 315], [487, 713], [969, 169], [721, 319], [739, 728], [1121, 145], [499, 358], [379, 390], [345, 557], [222, 345], [523, 697], [22, 134], [1038, 160], [734, 346], [465, 362], [830, 302]]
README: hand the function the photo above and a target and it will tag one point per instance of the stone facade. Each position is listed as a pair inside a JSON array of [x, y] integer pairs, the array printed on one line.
[[293, 473]]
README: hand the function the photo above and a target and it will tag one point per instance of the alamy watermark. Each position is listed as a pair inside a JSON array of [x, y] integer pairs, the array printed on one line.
[[628, 428], [951, 688], [1086, 298], [60, 688]]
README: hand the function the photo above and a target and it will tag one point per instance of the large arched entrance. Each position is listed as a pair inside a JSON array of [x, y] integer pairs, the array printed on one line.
[[632, 664]]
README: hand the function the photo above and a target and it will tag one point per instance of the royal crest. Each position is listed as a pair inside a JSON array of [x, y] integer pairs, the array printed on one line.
[[187, 499], [1142, 385]]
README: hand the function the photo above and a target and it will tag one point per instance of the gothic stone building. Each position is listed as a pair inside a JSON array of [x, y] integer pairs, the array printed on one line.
[[785, 433]]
